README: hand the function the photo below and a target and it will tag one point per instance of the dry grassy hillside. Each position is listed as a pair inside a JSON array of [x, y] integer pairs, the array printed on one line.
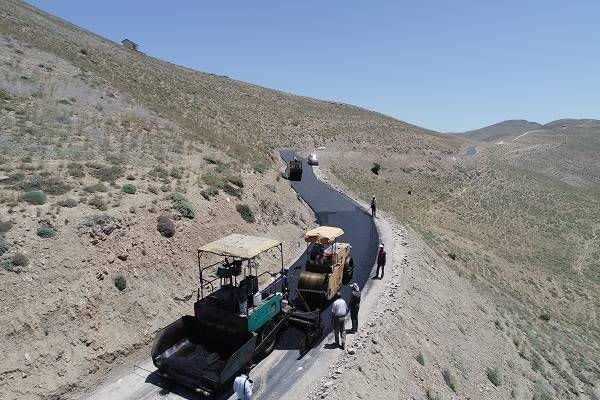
[[521, 219], [238, 117]]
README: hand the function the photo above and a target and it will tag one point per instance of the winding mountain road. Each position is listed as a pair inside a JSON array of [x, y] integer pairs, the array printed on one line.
[[277, 374]]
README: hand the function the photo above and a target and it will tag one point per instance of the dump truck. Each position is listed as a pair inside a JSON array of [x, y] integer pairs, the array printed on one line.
[[328, 267], [293, 170], [235, 323]]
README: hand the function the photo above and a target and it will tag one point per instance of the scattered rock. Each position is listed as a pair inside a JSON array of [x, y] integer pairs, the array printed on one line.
[[166, 226]]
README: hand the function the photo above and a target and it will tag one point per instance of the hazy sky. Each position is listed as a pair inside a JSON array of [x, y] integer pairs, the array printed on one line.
[[446, 65]]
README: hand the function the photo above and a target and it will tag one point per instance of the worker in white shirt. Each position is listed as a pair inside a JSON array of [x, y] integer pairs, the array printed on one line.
[[339, 310], [242, 386]]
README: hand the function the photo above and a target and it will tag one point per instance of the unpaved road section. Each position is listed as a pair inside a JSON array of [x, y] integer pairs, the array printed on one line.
[[281, 372]]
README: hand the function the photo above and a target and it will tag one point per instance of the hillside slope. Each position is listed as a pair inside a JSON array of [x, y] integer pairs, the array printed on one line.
[[243, 118]]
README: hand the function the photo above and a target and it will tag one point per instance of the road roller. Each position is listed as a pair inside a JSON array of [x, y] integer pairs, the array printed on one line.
[[328, 267]]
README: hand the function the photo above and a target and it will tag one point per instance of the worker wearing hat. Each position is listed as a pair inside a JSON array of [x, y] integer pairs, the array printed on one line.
[[381, 256], [354, 306]]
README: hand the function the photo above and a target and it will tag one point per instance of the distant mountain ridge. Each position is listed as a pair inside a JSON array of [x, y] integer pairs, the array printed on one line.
[[516, 127]]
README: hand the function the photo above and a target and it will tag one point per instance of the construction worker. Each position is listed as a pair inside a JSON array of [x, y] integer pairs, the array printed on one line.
[[373, 207], [354, 306], [381, 256], [339, 310], [242, 386]]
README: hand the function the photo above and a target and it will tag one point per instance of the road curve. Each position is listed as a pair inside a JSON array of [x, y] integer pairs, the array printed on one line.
[[275, 376]]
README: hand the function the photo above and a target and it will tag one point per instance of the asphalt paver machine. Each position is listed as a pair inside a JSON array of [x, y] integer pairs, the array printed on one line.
[[235, 322]]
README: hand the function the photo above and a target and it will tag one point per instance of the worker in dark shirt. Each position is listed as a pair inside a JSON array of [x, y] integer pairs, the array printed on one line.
[[354, 306], [381, 256]]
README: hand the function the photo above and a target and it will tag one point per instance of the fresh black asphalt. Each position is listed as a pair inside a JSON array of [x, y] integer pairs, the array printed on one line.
[[334, 209]]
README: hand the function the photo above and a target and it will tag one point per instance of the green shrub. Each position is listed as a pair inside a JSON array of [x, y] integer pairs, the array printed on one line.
[[36, 197], [46, 232], [120, 282], [7, 265], [5, 226], [494, 375], [20, 259], [98, 187], [129, 188], [246, 213], [421, 359], [68, 203], [183, 206], [4, 247], [376, 168]]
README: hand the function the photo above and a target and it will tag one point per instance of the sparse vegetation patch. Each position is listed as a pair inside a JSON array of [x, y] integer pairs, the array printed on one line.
[[129, 188], [120, 282], [36, 197], [246, 213], [183, 206], [46, 232]]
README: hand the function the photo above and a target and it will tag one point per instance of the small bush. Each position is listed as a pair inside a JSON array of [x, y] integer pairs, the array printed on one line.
[[107, 173], [159, 172], [20, 259], [431, 394], [545, 316], [120, 282], [233, 191], [152, 189], [421, 359], [76, 170], [176, 172], [129, 188], [36, 197], [7, 265], [165, 226], [450, 379], [55, 186], [98, 203], [183, 206], [494, 375], [261, 168], [214, 181], [376, 168], [46, 232], [68, 203], [5, 226], [246, 213], [236, 180], [210, 192], [4, 247], [98, 187]]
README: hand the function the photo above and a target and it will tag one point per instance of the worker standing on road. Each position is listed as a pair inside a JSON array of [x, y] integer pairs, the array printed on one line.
[[381, 256], [339, 310], [242, 386], [373, 207], [354, 306]]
